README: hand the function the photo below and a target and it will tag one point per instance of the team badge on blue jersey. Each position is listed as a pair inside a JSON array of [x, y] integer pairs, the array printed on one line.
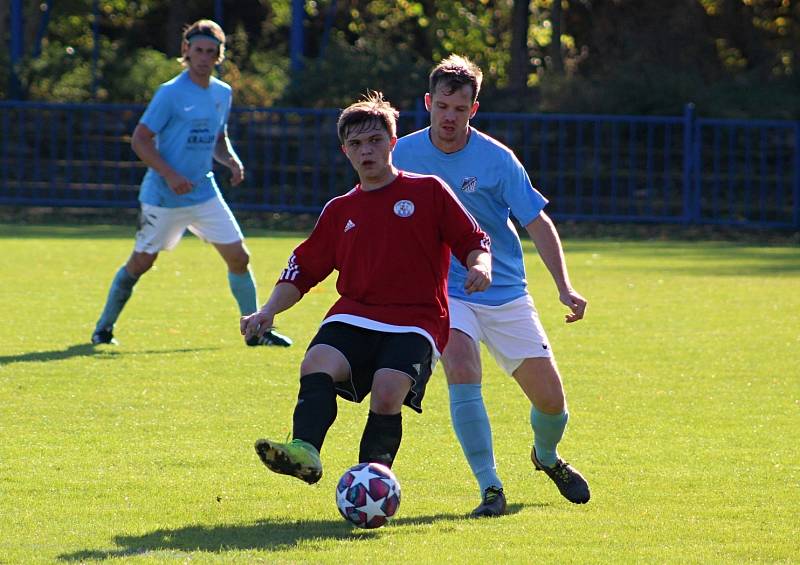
[[469, 184], [404, 208]]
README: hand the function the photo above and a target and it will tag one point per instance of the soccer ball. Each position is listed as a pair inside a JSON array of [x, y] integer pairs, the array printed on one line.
[[368, 495]]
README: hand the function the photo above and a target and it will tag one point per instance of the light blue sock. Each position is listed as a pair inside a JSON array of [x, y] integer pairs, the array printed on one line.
[[243, 288], [548, 429], [471, 424], [119, 293]]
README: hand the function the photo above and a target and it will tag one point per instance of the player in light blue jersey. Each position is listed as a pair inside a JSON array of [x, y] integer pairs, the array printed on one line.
[[183, 129], [493, 185]]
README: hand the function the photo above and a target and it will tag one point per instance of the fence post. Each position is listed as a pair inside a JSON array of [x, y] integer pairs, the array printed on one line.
[[796, 182], [689, 166], [95, 46], [419, 114], [297, 36], [16, 49]]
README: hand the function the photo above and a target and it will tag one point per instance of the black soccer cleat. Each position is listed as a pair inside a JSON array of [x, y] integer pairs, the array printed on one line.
[[569, 481], [270, 338], [493, 504], [104, 336]]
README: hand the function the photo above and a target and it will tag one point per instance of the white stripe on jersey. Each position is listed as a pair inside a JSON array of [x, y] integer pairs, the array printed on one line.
[[291, 272]]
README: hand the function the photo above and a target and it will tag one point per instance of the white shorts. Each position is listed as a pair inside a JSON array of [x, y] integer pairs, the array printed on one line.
[[162, 228], [512, 332]]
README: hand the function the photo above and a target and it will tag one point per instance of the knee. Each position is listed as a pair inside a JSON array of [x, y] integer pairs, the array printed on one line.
[[140, 263], [551, 403], [238, 262], [539, 379], [460, 372], [310, 364], [325, 359], [383, 402], [387, 397]]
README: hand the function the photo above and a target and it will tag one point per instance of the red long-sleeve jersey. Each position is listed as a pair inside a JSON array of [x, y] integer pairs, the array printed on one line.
[[392, 249]]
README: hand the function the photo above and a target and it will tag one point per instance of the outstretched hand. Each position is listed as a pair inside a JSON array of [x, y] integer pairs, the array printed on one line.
[[576, 303], [256, 324]]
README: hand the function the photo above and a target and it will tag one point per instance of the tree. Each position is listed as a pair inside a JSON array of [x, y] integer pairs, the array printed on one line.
[[556, 59], [731, 57], [519, 69]]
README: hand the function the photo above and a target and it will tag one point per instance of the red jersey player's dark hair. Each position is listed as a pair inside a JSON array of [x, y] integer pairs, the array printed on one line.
[[363, 114]]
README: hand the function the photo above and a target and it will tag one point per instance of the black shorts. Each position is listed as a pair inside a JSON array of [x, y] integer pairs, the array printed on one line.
[[369, 350]]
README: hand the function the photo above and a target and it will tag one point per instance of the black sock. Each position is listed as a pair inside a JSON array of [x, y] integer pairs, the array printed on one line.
[[381, 439], [316, 408]]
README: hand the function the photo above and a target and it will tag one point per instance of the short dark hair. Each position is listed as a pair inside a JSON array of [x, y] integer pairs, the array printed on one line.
[[209, 29], [359, 115], [453, 73]]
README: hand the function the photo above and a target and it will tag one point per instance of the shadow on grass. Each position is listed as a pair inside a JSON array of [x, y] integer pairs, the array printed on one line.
[[85, 350], [272, 535]]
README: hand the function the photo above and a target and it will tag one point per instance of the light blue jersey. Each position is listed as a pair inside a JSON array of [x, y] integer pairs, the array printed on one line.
[[492, 184], [186, 119]]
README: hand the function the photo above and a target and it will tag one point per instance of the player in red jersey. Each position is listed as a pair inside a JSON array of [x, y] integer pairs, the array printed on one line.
[[390, 238]]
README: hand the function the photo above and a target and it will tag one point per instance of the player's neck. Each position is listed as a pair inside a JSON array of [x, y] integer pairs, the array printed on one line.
[[374, 182], [451, 145], [200, 80]]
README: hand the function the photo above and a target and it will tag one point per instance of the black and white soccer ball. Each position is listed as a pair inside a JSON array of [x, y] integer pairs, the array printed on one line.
[[368, 495]]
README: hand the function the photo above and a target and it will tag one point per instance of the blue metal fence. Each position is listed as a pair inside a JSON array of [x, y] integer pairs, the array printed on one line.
[[675, 169], [745, 173]]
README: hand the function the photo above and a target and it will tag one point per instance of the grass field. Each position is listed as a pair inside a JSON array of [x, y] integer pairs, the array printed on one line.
[[683, 383]]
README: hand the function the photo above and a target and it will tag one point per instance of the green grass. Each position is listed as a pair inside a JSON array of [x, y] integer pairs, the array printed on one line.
[[683, 385]]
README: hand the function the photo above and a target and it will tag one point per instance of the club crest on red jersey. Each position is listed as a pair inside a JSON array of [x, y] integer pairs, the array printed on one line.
[[404, 208], [469, 184]]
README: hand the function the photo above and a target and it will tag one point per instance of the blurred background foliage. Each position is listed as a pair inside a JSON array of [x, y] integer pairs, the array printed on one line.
[[732, 58]]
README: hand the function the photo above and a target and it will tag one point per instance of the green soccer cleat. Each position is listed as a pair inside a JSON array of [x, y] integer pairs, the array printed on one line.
[[569, 481], [493, 504], [297, 458]]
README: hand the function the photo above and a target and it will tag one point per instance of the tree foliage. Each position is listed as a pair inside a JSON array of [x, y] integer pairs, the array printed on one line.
[[729, 57]]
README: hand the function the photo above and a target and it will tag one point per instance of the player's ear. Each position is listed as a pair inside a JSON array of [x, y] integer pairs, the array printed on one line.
[[474, 109], [184, 49], [428, 101], [392, 143]]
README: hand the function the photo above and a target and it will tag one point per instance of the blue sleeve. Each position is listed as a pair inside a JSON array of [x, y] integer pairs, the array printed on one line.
[[224, 126], [524, 201], [158, 112], [399, 155]]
